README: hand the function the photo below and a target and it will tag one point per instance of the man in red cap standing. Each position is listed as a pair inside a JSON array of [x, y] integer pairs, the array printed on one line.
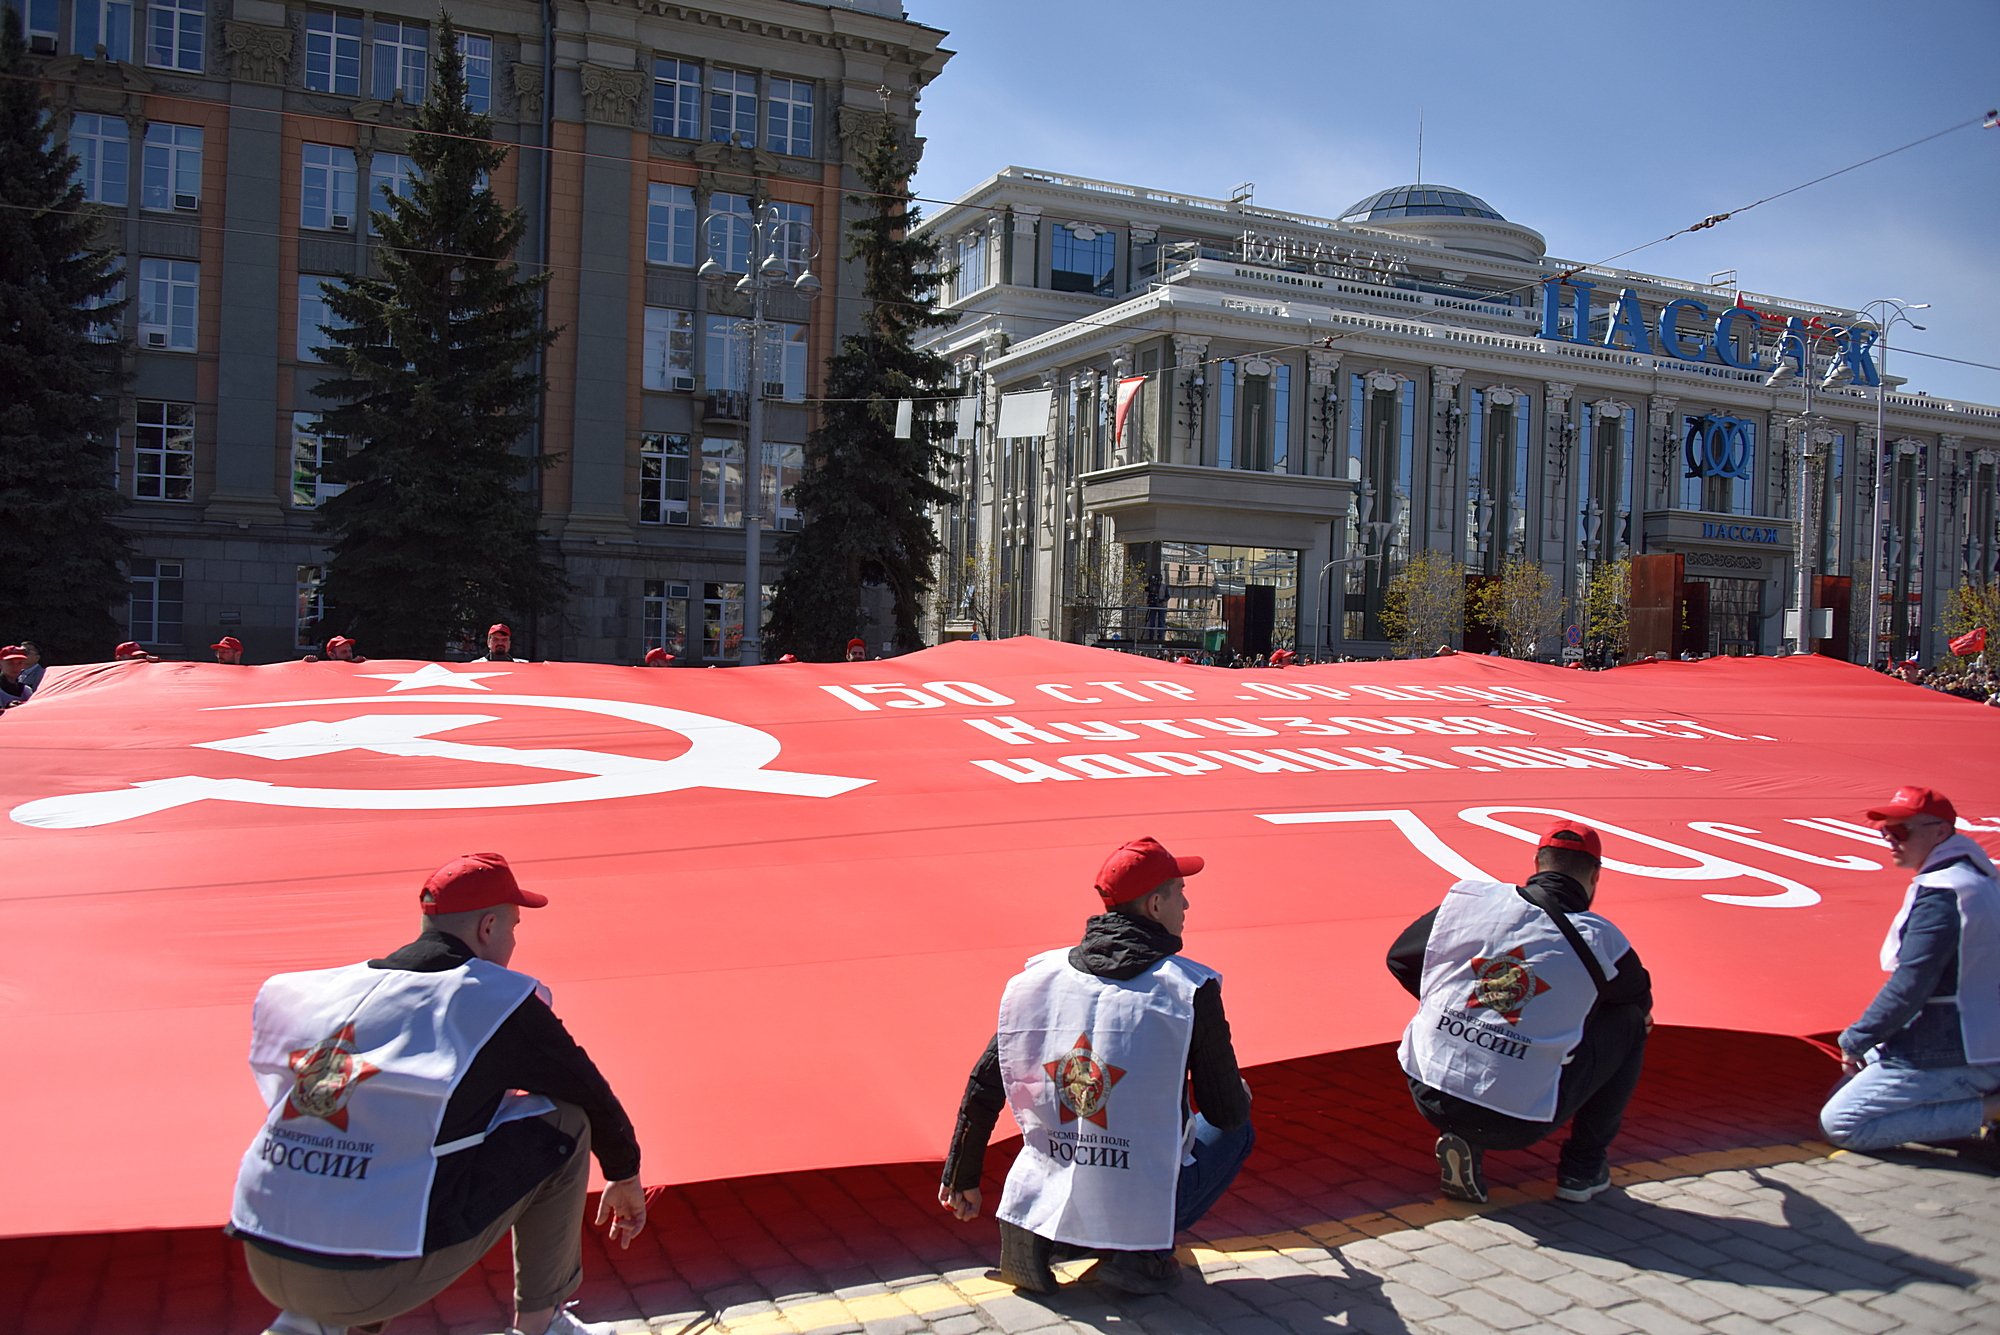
[[420, 1107], [857, 650], [14, 686], [658, 657], [1096, 1050], [499, 645], [229, 651], [1533, 1013], [1924, 1058]]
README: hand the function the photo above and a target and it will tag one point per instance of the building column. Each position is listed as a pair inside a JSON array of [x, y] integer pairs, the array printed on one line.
[[1659, 445], [1447, 437], [1190, 400], [1322, 410]]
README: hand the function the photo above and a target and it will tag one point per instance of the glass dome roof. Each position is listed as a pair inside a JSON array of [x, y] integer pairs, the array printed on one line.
[[1420, 201]]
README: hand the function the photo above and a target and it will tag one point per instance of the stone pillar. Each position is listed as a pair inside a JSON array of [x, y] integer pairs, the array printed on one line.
[[1020, 260], [1190, 401], [1660, 447], [1322, 411]]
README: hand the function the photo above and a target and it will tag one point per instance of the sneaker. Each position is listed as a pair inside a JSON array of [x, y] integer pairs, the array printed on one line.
[[1582, 1186], [566, 1322], [1459, 1174], [1139, 1272], [1024, 1259], [291, 1323]]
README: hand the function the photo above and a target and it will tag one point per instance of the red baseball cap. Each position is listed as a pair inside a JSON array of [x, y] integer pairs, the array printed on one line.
[[12, 653], [129, 649], [1911, 800], [788, 658], [1575, 836], [658, 656], [857, 643], [227, 642], [1139, 868], [498, 628], [339, 640], [475, 881]]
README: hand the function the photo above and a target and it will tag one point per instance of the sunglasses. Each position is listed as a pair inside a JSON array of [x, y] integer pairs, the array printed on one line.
[[1900, 833]]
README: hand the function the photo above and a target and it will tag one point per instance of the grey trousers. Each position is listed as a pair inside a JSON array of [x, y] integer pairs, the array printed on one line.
[[548, 1254]]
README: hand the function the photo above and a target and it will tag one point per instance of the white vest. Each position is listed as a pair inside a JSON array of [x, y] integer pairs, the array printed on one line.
[[1095, 1070], [356, 1066], [1978, 891], [1503, 999]]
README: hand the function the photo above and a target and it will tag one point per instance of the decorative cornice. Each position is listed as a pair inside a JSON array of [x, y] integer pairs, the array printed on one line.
[[261, 53], [611, 96], [1445, 380], [734, 169], [1189, 351]]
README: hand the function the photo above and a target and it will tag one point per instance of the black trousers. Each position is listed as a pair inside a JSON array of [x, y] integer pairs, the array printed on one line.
[[1596, 1085]]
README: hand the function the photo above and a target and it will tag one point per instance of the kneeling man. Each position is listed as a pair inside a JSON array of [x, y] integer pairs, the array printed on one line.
[[1925, 1055], [1534, 1014], [420, 1107], [1095, 1053]]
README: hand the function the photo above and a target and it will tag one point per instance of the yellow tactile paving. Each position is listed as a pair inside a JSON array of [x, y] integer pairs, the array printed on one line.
[[1312, 1242]]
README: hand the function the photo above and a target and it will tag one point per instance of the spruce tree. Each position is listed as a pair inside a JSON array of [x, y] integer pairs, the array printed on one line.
[[863, 496], [60, 553], [436, 534]]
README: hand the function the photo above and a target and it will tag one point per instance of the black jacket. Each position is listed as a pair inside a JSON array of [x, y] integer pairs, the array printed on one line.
[[1548, 890], [1113, 946], [530, 1051]]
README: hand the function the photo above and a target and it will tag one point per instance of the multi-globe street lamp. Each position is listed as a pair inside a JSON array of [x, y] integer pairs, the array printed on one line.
[[772, 247], [1885, 313], [1837, 373]]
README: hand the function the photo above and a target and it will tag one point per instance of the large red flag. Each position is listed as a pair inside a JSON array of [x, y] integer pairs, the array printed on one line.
[[1128, 389], [784, 900], [1970, 643]]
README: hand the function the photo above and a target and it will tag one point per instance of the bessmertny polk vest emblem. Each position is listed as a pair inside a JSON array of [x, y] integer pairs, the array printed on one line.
[[1506, 983], [1083, 1082], [324, 1077]]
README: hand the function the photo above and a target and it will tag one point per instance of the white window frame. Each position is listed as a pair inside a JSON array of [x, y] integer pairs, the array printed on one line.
[[677, 92], [476, 48], [156, 585], [782, 467], [721, 482], [793, 237], [39, 21], [312, 449], [170, 301], [163, 451], [785, 359], [662, 613], [671, 225], [715, 623], [314, 314], [112, 330], [731, 106], [170, 177], [665, 460], [103, 149], [388, 174], [105, 23], [668, 350], [309, 607], [731, 230], [401, 52], [176, 34], [328, 170], [333, 40], [789, 117]]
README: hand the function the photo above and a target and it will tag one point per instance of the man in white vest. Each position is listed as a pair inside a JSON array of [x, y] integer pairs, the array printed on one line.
[[1924, 1059], [1096, 1052], [1533, 1013], [419, 1107]]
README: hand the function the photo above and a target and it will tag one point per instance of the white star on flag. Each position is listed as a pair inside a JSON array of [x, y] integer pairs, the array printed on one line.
[[432, 674]]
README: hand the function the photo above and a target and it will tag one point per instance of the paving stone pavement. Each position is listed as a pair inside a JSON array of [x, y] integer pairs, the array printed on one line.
[[1727, 1217]]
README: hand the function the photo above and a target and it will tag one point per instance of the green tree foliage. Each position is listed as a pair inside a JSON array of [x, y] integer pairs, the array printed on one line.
[[1522, 607], [1607, 611], [1424, 605], [1968, 607], [436, 533], [863, 498], [60, 553]]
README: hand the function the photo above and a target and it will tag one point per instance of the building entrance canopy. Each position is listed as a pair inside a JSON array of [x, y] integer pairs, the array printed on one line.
[[784, 899]]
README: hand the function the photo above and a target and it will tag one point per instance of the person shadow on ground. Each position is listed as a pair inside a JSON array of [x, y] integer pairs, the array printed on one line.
[[1807, 1246]]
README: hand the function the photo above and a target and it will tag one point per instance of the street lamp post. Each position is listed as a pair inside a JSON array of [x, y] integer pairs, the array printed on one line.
[[772, 244], [1364, 558], [1892, 311], [1836, 374]]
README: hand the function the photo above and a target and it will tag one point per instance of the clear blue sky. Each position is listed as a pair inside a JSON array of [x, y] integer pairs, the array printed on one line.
[[1600, 123]]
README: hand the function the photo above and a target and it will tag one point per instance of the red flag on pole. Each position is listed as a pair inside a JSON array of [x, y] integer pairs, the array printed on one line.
[[1128, 389], [1970, 643]]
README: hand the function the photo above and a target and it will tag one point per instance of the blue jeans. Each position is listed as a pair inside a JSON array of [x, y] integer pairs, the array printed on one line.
[[1890, 1104], [1217, 1155]]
